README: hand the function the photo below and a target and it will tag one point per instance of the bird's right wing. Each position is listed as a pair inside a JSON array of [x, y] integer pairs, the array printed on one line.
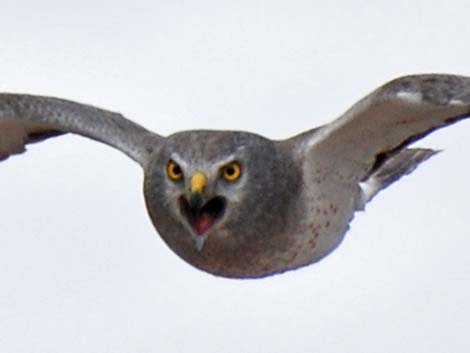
[[26, 119]]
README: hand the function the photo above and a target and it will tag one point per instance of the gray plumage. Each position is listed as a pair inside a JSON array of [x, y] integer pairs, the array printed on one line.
[[237, 204]]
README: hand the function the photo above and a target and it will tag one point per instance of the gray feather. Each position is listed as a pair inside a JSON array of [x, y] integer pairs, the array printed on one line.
[[25, 119], [391, 171]]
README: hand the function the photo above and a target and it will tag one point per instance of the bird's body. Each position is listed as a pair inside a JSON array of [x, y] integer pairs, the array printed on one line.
[[237, 204]]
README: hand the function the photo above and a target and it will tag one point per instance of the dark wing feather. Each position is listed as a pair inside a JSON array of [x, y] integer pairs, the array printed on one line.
[[27, 119]]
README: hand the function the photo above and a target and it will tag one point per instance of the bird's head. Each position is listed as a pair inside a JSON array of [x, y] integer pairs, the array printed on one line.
[[216, 198]]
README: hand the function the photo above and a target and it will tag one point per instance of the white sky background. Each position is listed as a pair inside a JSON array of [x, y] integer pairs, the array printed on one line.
[[81, 267]]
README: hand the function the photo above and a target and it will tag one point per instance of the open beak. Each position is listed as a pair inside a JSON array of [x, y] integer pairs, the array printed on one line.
[[200, 211]]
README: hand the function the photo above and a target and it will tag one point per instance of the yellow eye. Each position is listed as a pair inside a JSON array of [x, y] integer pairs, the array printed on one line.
[[232, 171], [174, 171]]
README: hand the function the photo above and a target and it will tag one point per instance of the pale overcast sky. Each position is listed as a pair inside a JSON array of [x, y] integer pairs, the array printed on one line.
[[83, 270]]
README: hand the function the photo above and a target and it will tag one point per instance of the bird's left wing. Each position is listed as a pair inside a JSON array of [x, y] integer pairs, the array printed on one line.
[[345, 163], [386, 121], [368, 143], [26, 119]]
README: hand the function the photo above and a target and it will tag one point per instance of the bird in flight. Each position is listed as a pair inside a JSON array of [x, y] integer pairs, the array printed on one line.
[[237, 204]]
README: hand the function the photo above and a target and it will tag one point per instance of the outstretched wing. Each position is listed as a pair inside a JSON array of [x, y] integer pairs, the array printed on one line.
[[345, 163], [389, 119], [26, 119]]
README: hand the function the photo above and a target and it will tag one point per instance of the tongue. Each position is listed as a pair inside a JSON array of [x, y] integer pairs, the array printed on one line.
[[203, 223]]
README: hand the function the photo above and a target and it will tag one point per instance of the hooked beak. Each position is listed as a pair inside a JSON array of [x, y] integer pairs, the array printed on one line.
[[200, 212], [198, 183]]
